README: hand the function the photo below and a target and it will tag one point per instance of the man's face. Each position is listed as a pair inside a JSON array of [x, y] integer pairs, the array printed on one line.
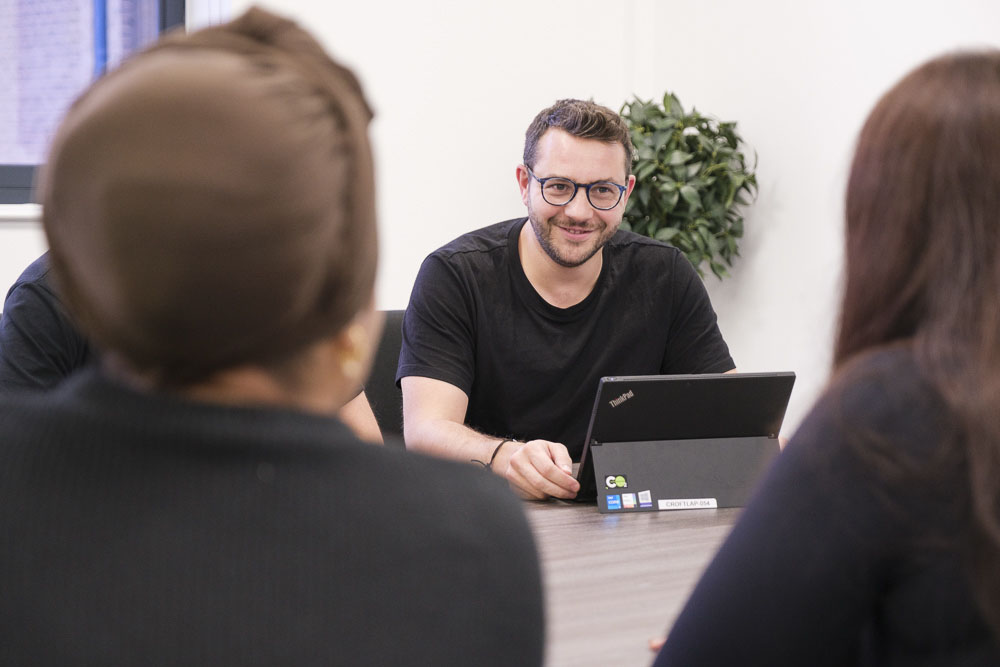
[[572, 234]]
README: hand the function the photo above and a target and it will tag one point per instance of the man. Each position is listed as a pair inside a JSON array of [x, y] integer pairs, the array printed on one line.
[[193, 499], [510, 327], [40, 346]]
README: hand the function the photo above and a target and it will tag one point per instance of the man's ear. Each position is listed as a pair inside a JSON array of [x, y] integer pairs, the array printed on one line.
[[628, 191], [523, 182]]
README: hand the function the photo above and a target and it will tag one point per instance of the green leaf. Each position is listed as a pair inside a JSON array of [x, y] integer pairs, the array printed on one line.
[[730, 195], [644, 171], [719, 270], [672, 105], [643, 196], [645, 151], [662, 138], [637, 112], [678, 158], [671, 200], [690, 195], [666, 233]]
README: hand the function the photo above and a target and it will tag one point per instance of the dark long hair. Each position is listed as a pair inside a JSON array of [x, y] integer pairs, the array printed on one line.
[[923, 263]]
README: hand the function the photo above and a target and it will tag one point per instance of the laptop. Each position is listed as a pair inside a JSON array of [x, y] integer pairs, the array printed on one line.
[[665, 442]]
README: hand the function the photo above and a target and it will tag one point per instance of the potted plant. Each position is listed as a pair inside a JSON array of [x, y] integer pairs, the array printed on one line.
[[691, 181]]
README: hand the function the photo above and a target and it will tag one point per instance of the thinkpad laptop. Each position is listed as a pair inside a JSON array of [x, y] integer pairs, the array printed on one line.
[[664, 442]]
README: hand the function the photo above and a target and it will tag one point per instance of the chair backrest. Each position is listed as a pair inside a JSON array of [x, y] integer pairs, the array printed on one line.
[[384, 396]]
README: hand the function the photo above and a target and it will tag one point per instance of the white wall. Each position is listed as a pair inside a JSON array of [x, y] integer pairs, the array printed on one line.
[[455, 83], [21, 241]]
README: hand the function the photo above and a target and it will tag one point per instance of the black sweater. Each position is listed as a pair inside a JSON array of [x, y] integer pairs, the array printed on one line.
[[140, 529], [855, 548]]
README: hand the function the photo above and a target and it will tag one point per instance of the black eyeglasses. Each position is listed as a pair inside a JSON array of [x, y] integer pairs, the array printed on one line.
[[602, 195]]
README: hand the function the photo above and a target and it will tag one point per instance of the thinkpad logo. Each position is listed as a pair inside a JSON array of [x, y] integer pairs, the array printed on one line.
[[615, 402]]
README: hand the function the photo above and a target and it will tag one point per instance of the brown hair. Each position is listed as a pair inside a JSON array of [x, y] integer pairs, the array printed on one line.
[[582, 119], [923, 263], [211, 203]]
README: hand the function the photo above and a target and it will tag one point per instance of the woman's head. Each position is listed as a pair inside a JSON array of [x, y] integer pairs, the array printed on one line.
[[211, 203], [923, 209]]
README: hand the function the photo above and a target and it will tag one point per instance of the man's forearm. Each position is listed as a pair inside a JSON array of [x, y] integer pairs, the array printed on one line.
[[448, 439]]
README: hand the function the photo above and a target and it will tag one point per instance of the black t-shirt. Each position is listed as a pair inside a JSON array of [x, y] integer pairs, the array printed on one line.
[[39, 346], [531, 369]]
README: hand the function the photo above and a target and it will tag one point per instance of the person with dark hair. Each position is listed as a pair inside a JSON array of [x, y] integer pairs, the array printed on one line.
[[40, 346], [192, 499], [509, 328], [875, 537]]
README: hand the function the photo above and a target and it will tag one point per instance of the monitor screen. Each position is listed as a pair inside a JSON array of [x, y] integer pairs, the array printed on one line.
[[50, 50]]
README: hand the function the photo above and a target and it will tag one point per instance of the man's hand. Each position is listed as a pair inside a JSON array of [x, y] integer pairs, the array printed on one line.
[[537, 469], [433, 412]]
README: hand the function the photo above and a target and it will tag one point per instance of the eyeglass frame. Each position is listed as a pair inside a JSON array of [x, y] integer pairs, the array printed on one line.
[[576, 188]]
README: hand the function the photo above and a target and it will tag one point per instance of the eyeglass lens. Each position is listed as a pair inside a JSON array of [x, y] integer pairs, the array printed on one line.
[[559, 191]]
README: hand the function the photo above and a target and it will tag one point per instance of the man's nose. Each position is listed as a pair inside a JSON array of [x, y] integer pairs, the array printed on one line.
[[579, 208]]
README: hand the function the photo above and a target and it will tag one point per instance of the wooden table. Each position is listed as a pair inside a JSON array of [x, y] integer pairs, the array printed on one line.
[[615, 581]]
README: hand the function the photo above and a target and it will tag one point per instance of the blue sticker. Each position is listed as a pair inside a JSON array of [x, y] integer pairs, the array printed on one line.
[[614, 502]]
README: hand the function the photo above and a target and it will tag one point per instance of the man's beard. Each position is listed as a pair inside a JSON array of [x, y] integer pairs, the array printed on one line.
[[544, 232]]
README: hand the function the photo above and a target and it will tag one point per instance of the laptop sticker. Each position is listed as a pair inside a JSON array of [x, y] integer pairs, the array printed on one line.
[[686, 503], [615, 482]]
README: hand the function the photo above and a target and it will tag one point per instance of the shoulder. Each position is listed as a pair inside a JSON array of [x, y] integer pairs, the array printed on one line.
[[884, 388], [639, 252], [659, 267], [481, 241], [629, 242], [35, 278], [879, 402], [468, 258]]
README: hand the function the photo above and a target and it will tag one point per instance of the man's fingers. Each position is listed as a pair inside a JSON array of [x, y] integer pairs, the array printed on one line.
[[534, 469], [560, 456], [535, 485], [523, 487]]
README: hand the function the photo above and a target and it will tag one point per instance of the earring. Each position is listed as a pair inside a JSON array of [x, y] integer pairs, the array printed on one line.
[[350, 361]]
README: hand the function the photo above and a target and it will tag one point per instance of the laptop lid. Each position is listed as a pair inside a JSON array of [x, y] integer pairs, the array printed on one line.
[[665, 408]]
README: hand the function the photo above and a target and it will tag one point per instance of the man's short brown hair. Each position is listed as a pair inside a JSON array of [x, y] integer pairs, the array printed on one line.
[[582, 119]]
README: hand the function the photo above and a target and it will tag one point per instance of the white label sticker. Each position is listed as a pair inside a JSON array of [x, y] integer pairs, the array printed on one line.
[[687, 504]]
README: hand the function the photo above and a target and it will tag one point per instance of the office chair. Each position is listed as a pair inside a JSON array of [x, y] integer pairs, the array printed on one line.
[[384, 396]]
